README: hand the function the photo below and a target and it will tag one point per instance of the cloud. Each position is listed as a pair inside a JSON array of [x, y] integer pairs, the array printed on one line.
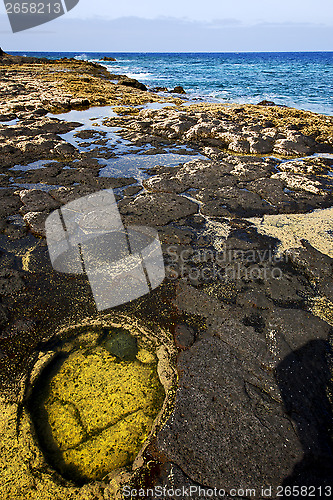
[[225, 22], [166, 34]]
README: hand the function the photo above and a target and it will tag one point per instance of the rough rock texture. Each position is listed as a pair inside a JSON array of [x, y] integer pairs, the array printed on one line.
[[245, 186], [220, 399], [156, 209], [238, 402], [249, 130]]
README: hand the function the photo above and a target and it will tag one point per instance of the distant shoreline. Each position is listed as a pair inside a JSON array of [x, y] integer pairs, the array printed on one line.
[[296, 79]]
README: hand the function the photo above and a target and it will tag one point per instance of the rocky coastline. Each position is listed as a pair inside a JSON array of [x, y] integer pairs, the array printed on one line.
[[245, 313]]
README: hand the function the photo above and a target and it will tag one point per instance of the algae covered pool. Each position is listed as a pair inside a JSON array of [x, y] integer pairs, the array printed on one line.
[[94, 405]]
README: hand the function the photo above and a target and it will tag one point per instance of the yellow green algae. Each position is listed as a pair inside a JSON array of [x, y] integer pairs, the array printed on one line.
[[315, 125], [96, 411], [28, 450], [323, 308]]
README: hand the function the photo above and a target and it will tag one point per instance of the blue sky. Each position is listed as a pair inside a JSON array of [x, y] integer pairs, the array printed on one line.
[[180, 26]]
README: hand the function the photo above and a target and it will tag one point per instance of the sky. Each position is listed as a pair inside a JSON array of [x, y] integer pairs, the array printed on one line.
[[180, 26]]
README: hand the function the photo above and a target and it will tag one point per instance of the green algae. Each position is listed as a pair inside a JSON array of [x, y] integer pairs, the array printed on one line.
[[323, 308], [122, 345], [93, 409]]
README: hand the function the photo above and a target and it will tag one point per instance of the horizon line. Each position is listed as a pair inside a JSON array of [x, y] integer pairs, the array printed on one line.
[[179, 52]]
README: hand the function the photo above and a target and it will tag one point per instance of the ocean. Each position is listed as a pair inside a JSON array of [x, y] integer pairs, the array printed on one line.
[[300, 79]]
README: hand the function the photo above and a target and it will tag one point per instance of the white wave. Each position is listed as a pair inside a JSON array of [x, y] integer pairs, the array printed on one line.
[[81, 57], [116, 68], [139, 76]]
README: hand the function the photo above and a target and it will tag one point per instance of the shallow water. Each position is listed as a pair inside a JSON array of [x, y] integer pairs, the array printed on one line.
[[33, 166], [134, 165], [127, 162], [9, 123], [41, 186]]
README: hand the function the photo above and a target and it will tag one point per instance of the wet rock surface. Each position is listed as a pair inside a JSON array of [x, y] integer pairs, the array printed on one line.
[[249, 302]]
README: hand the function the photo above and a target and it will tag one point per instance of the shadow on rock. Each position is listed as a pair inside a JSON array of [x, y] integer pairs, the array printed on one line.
[[305, 381]]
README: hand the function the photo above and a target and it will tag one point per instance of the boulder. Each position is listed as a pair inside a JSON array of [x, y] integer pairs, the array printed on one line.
[[178, 90], [266, 103], [36, 222], [260, 145], [35, 200], [65, 149], [131, 82]]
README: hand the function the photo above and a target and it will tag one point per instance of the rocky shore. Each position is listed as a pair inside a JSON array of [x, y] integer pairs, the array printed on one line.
[[245, 314]]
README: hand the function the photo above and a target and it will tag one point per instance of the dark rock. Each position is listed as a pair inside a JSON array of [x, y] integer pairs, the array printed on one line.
[[36, 222], [80, 103], [266, 103], [122, 345], [11, 282], [7, 117], [286, 290], [3, 315], [159, 89], [132, 190], [65, 149], [19, 327], [131, 82], [86, 134], [295, 143], [45, 175], [253, 299], [35, 200], [224, 430], [226, 377], [178, 90], [290, 329], [66, 194], [184, 336], [156, 209], [272, 190], [317, 266], [305, 382], [107, 58], [173, 479]]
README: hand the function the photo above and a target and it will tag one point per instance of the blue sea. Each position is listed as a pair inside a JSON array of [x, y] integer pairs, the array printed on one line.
[[302, 79]]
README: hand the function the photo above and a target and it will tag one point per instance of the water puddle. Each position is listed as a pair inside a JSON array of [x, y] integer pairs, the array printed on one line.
[[105, 139], [99, 397], [158, 105], [10, 122], [41, 186], [136, 165], [34, 166]]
